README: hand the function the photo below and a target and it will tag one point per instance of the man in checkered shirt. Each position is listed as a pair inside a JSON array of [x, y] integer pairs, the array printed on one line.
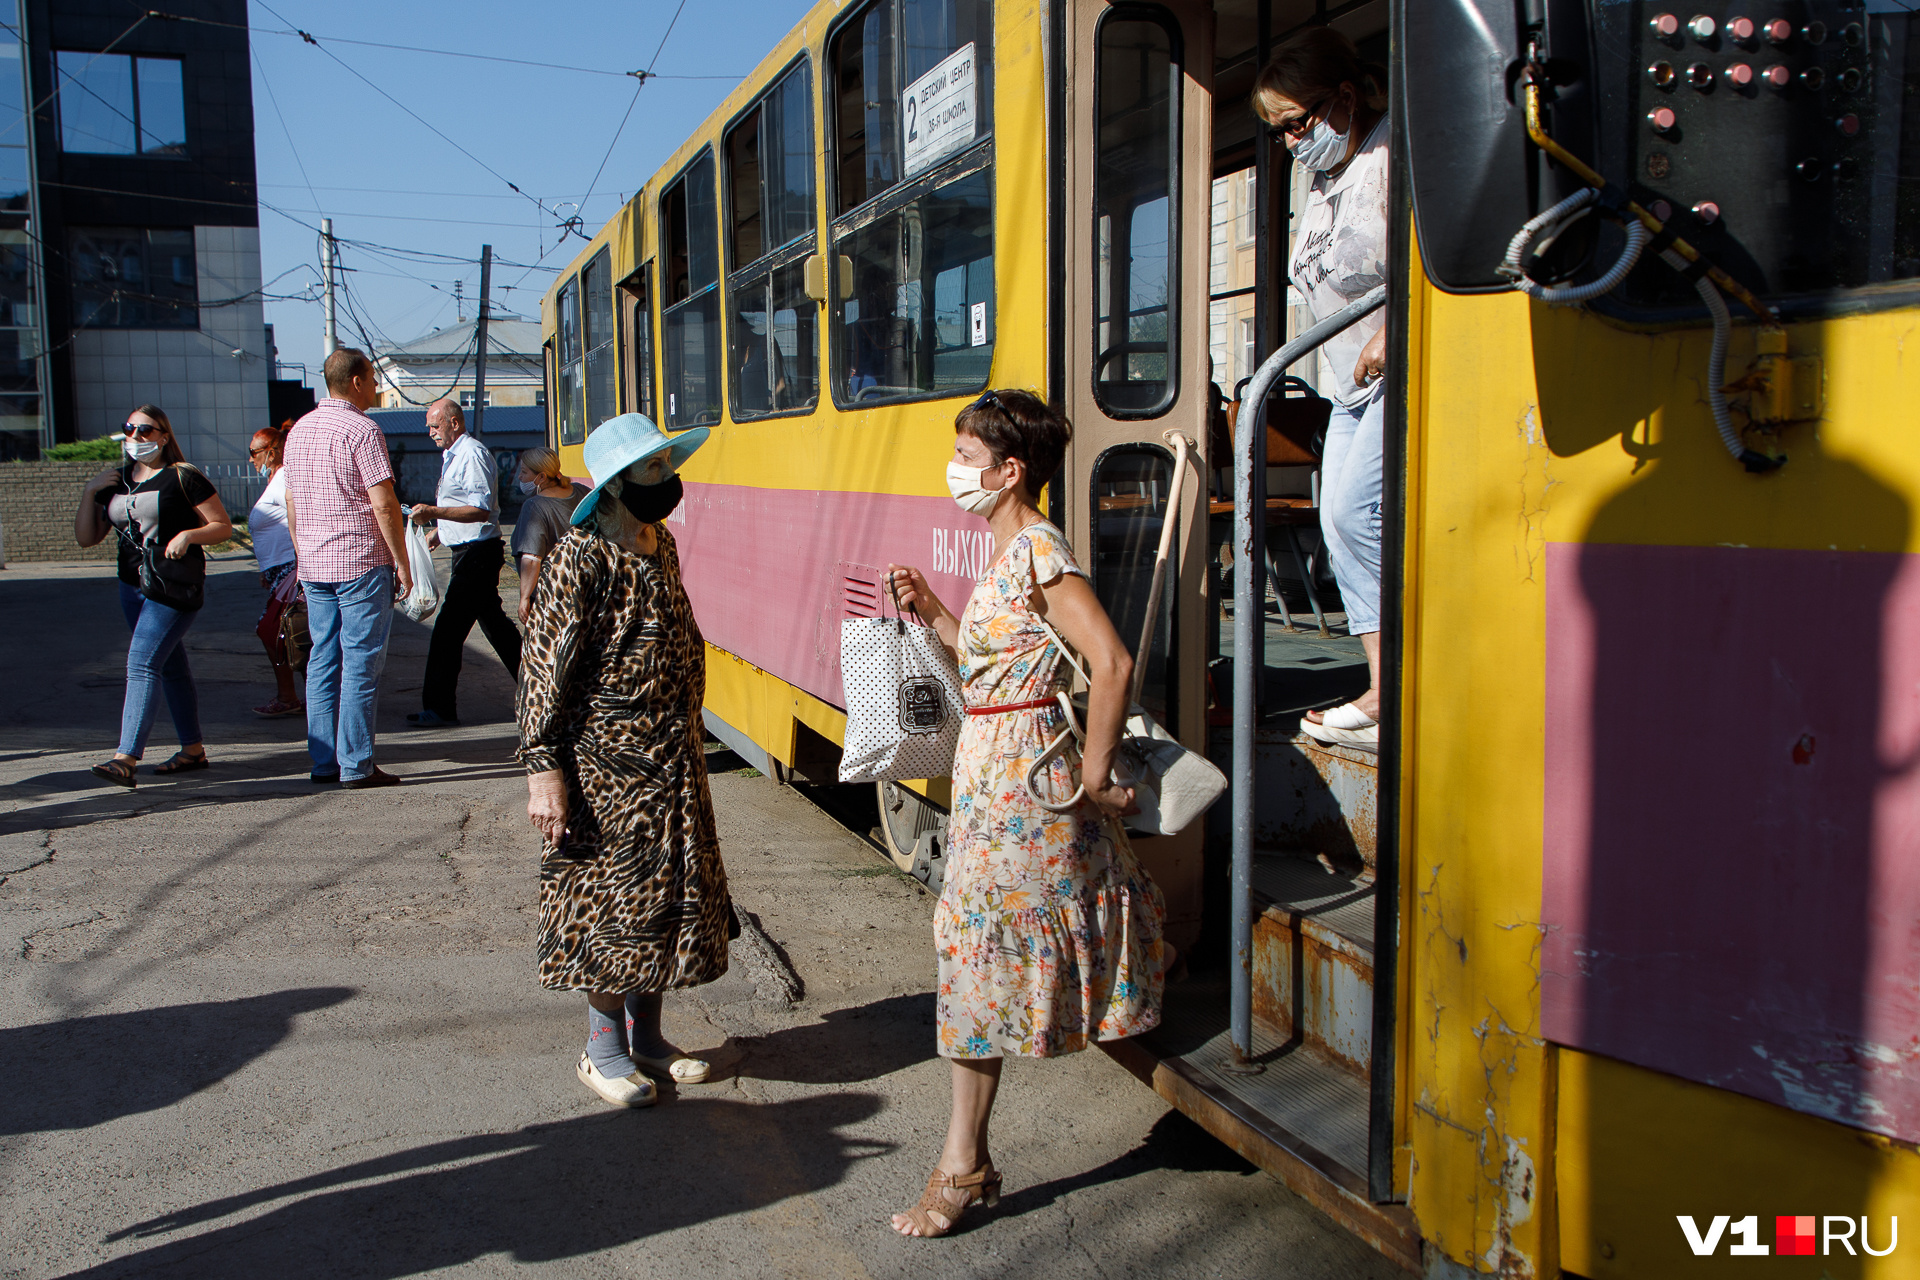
[[350, 544]]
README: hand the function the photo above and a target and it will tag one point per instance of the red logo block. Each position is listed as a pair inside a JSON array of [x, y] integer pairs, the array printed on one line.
[[1793, 1236]]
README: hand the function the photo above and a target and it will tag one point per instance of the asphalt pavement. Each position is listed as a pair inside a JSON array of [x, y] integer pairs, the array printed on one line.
[[252, 1027]]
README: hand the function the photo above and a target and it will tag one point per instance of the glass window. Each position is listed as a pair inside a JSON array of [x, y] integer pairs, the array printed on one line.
[[921, 316], [770, 170], [125, 278], [775, 368], [692, 316], [596, 338], [1130, 489], [1136, 217], [120, 105], [912, 83], [636, 300], [567, 360]]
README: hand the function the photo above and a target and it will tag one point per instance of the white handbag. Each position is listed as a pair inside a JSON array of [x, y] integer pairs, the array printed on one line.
[[1171, 785], [903, 701]]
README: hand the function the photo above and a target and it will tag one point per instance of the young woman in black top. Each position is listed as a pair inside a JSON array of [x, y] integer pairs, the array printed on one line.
[[163, 510]]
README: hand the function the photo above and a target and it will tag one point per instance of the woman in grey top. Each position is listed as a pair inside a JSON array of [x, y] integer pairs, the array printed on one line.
[[544, 517]]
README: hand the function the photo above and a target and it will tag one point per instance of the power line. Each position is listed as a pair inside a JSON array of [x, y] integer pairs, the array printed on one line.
[[111, 44], [291, 145]]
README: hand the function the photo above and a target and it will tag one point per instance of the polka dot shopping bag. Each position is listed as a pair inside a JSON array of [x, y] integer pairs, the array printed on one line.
[[903, 700]]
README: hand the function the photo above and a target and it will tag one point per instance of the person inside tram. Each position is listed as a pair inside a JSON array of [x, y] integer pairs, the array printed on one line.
[[1328, 107], [1048, 931]]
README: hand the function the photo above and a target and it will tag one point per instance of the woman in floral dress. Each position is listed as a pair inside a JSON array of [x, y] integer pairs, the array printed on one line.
[[1048, 930]]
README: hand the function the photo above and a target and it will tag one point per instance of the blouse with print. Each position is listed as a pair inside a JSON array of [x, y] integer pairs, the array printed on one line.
[[154, 510]]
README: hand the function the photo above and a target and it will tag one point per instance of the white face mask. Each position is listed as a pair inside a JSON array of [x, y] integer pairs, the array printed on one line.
[[140, 450], [963, 482], [1321, 149], [529, 487], [265, 469]]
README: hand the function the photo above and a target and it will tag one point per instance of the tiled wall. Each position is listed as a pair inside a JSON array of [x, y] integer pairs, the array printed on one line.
[[214, 399]]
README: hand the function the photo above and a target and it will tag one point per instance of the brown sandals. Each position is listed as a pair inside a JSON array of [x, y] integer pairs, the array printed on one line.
[[980, 1186]]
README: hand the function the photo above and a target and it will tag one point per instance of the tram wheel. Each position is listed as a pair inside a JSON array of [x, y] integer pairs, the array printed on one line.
[[904, 818]]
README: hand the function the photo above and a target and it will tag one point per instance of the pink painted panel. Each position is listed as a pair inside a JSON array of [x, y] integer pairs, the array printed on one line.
[[1732, 835], [771, 572]]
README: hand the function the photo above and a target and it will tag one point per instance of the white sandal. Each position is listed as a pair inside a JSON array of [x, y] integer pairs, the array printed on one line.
[[678, 1068], [1346, 725], [631, 1091]]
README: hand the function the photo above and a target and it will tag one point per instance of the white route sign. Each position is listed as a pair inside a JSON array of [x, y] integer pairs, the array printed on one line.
[[937, 111]]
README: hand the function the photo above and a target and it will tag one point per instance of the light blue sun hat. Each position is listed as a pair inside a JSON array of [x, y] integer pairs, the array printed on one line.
[[620, 442]]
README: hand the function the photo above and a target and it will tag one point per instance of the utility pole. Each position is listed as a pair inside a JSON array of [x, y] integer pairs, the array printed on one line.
[[329, 339], [459, 303], [480, 361]]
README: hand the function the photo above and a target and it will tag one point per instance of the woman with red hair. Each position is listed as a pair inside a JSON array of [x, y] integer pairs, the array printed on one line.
[[273, 551]]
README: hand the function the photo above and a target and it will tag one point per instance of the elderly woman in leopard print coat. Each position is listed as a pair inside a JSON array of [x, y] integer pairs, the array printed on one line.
[[633, 896]]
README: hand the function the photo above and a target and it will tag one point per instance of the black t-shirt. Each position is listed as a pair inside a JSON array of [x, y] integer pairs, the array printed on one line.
[[154, 510]]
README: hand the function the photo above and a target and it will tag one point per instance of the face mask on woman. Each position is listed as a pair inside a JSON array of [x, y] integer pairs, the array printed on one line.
[[140, 450], [1321, 148], [650, 503], [529, 487], [265, 469], [963, 482]]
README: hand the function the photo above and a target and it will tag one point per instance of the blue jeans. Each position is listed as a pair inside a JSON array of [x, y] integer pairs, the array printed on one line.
[[348, 622], [157, 656], [1352, 470]]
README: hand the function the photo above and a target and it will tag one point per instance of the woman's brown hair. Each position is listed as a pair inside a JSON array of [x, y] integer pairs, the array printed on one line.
[[170, 449], [1310, 67], [1019, 424]]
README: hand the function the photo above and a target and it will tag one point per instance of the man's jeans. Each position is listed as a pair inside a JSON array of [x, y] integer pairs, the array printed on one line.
[[348, 622], [157, 656]]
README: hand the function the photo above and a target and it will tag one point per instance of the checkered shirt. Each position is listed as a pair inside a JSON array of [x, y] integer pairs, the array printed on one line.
[[334, 456]]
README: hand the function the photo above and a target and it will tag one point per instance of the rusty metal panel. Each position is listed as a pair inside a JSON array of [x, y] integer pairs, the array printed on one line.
[[1312, 797], [1315, 985]]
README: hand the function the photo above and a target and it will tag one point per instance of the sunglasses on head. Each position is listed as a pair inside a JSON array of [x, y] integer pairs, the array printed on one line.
[[140, 429], [989, 400]]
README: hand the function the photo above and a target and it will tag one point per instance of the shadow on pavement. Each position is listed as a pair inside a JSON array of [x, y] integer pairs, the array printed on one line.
[[159, 1056], [544, 1192], [851, 1045], [1175, 1142]]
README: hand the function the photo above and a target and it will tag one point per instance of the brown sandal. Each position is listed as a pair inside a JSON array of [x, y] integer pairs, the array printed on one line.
[[981, 1186]]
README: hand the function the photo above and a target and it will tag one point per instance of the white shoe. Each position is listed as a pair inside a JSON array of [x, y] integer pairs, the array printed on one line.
[[678, 1068], [632, 1091], [1346, 725]]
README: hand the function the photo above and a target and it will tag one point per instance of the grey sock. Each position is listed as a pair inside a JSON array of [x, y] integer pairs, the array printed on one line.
[[606, 1048], [643, 1026]]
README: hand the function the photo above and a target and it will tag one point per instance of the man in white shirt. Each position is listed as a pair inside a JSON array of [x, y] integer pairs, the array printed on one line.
[[468, 514]]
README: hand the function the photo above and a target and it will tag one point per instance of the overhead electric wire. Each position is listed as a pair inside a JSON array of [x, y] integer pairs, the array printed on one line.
[[291, 145], [111, 44]]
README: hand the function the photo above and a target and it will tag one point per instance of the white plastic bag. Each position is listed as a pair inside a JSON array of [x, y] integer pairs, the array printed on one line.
[[425, 596], [903, 701]]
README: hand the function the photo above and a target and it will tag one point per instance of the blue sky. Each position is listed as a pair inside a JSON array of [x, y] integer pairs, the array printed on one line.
[[336, 147]]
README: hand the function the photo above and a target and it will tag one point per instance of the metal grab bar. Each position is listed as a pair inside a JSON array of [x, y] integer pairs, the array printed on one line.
[[1249, 645]]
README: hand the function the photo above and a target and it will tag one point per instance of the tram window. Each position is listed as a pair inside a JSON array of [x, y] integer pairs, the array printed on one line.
[[568, 412], [1130, 489], [1137, 233], [639, 326], [921, 316], [770, 169], [596, 339], [692, 315], [774, 341], [943, 49]]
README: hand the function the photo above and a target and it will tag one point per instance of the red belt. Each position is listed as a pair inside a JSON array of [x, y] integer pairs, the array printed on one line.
[[994, 708]]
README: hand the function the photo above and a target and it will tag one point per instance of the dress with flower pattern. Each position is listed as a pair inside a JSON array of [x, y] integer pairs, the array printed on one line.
[[1048, 929]]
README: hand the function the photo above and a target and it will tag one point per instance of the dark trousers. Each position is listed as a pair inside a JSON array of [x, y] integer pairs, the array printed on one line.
[[473, 595]]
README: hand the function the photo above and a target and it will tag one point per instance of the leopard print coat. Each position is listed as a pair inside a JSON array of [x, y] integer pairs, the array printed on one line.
[[610, 691]]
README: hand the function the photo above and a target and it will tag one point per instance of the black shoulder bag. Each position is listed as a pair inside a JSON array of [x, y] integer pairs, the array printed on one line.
[[178, 584]]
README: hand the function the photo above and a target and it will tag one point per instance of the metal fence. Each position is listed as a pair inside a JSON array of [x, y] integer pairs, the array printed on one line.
[[239, 484], [416, 478]]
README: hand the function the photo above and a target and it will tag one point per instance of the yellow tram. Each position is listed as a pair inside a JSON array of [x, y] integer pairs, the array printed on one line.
[[1635, 863]]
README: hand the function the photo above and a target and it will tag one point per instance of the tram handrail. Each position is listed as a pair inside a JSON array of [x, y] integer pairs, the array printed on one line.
[[1249, 648]]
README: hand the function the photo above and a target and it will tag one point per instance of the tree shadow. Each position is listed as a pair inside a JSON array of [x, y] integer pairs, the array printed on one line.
[[545, 1192], [161, 1056], [849, 1046]]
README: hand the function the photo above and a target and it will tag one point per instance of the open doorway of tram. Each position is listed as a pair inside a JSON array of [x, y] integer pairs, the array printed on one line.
[[1308, 1105]]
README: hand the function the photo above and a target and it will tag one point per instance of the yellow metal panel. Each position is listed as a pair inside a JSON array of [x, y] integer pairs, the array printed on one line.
[[1637, 1148]]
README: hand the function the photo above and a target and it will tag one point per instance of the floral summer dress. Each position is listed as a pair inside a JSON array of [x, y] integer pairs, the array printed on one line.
[[1048, 930]]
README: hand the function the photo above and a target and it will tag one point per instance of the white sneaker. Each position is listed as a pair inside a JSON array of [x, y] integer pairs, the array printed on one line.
[[632, 1091]]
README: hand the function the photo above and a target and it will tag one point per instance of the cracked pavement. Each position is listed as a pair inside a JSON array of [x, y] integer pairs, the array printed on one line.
[[254, 1027]]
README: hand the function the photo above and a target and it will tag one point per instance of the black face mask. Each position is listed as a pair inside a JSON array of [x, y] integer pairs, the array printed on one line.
[[650, 503]]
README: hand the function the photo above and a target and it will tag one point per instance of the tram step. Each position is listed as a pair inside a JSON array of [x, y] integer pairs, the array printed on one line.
[[1313, 958], [1307, 795]]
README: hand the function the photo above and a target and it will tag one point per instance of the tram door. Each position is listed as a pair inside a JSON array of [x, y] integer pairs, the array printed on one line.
[[1137, 169]]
